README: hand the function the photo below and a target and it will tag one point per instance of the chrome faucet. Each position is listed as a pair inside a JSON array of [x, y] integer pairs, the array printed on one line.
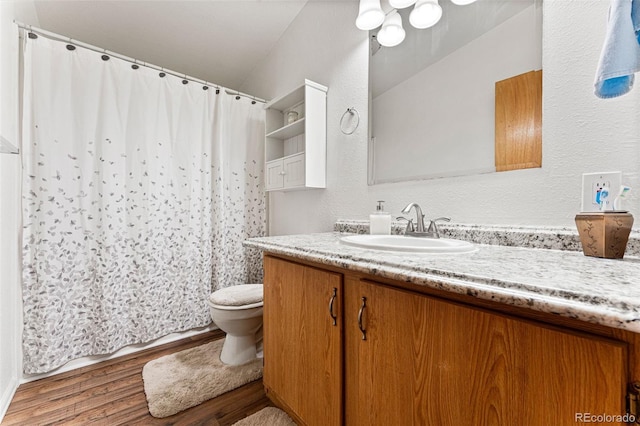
[[419, 229], [419, 218]]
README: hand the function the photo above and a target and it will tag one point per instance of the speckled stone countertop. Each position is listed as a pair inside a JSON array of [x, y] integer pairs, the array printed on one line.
[[548, 237], [560, 282]]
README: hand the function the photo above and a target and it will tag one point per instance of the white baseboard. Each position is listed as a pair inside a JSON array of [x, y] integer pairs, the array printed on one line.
[[7, 396], [90, 360]]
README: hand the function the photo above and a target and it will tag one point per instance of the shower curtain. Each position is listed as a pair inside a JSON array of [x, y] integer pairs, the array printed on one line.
[[138, 191]]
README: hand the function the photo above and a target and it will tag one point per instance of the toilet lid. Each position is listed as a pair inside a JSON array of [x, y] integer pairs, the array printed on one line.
[[237, 295]]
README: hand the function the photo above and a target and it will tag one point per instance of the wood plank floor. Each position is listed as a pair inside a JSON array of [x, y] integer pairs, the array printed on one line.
[[112, 393]]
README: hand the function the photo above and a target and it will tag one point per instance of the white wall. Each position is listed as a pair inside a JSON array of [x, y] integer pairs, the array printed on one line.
[[580, 132], [11, 299]]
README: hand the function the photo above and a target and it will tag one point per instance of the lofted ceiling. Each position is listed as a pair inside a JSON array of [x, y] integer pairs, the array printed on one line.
[[220, 41]]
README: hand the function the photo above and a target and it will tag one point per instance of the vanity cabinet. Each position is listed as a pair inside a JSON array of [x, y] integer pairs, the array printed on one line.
[[295, 149], [414, 359], [430, 362], [303, 341]]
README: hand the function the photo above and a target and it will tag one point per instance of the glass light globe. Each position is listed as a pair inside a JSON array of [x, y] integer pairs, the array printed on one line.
[[401, 4], [425, 14], [370, 15], [391, 34]]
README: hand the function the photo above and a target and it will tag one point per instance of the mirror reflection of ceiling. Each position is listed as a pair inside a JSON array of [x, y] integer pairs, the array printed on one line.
[[459, 25]]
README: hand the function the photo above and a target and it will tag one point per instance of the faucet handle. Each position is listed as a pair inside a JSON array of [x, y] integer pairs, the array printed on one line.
[[410, 227], [433, 226], [443, 219]]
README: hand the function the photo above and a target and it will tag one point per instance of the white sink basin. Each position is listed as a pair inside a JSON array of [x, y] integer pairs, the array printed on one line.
[[408, 244]]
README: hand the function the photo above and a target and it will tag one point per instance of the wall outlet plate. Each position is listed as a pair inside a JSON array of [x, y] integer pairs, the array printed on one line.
[[592, 183]]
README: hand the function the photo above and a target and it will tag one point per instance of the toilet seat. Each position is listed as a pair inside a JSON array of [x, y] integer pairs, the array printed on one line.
[[239, 297], [235, 308]]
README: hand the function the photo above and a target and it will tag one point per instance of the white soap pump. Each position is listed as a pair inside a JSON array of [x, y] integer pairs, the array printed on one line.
[[380, 221]]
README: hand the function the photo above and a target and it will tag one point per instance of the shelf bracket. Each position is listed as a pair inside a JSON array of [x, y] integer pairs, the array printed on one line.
[[7, 147]]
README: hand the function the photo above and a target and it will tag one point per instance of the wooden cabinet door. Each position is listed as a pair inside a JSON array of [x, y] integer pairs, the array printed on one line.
[[518, 122], [430, 362], [302, 344]]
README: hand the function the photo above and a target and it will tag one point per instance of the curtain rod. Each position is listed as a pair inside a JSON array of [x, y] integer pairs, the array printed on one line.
[[58, 37]]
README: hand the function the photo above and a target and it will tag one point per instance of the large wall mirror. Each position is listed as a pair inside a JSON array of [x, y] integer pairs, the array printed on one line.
[[433, 97]]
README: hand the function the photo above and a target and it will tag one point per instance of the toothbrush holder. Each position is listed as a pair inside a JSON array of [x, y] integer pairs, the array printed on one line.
[[604, 234]]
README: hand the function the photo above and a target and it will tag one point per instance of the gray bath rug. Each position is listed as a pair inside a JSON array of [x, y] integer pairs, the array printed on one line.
[[270, 416], [182, 380]]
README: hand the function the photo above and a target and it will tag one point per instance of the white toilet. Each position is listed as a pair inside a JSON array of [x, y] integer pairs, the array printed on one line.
[[237, 310]]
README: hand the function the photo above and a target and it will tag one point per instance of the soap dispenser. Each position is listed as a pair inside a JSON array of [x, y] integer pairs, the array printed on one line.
[[380, 221]]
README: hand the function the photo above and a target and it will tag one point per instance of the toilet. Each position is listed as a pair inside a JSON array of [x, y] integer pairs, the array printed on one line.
[[237, 310]]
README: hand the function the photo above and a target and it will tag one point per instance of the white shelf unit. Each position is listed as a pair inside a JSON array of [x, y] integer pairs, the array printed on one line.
[[296, 153]]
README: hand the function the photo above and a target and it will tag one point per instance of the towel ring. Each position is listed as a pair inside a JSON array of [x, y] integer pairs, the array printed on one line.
[[351, 111]]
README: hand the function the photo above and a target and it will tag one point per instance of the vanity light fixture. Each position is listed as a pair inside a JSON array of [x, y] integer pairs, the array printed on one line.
[[370, 15], [391, 34], [425, 14]]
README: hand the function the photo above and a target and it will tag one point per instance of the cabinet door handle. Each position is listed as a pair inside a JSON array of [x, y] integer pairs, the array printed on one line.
[[364, 305], [333, 299]]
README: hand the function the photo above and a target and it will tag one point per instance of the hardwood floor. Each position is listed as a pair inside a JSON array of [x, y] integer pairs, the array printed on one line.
[[112, 393]]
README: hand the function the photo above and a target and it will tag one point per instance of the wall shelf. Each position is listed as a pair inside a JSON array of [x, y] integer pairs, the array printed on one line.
[[288, 131], [296, 153]]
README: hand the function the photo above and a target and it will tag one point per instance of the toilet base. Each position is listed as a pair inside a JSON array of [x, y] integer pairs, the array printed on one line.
[[238, 350]]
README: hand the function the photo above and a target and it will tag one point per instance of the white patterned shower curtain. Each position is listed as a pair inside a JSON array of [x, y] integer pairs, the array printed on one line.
[[137, 194]]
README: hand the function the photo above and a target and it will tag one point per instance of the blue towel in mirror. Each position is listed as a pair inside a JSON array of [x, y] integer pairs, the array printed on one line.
[[620, 57]]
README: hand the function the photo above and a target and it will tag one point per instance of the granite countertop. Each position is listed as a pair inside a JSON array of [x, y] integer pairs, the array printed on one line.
[[565, 283]]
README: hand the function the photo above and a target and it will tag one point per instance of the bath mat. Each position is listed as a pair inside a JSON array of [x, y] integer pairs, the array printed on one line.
[[182, 380], [271, 416]]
